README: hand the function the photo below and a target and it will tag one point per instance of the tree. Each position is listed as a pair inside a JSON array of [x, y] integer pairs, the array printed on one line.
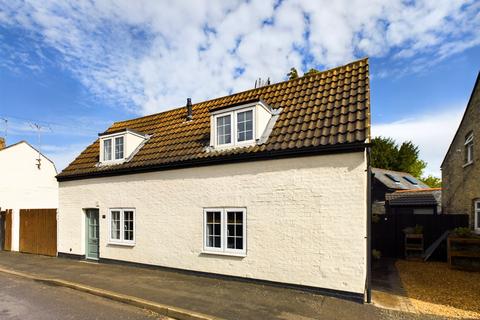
[[386, 154], [432, 182], [311, 71], [293, 74], [408, 161]]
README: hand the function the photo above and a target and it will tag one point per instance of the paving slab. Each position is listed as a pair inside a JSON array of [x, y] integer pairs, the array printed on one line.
[[220, 298]]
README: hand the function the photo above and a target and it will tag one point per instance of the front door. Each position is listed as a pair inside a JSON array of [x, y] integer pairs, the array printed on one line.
[[92, 230]]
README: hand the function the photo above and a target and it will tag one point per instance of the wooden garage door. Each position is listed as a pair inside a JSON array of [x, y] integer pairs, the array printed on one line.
[[7, 245], [38, 231]]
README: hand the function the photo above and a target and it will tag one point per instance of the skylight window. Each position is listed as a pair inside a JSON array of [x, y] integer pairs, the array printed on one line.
[[392, 177], [411, 180]]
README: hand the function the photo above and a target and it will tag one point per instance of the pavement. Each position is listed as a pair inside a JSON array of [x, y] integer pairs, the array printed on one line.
[[387, 289], [207, 297], [25, 299]]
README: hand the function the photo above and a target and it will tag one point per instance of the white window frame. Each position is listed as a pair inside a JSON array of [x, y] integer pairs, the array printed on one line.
[[223, 250], [245, 142], [232, 125], [121, 241], [234, 130], [476, 212], [113, 147], [469, 148]]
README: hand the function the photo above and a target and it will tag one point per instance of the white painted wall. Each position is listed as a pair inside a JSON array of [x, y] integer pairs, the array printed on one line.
[[23, 185], [306, 218], [262, 119], [132, 141]]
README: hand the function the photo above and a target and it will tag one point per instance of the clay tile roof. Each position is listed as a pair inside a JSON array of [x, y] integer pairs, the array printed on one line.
[[319, 112]]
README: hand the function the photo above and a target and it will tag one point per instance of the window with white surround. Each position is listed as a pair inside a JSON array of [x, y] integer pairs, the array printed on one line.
[[107, 149], [225, 231], [224, 129], [113, 149], [235, 128], [469, 148], [477, 215], [245, 126], [122, 226], [118, 147], [242, 125]]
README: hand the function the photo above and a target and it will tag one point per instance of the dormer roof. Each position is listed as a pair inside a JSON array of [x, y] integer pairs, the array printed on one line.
[[320, 113]]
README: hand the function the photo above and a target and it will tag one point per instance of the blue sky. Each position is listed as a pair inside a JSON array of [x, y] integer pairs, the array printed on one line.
[[76, 67]]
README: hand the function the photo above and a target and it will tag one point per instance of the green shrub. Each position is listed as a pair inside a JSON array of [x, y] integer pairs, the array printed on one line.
[[418, 229], [463, 232]]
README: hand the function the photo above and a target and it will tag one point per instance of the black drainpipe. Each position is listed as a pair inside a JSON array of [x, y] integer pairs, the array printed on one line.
[[369, 228]]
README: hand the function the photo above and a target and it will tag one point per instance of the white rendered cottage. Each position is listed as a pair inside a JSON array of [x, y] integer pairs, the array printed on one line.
[[267, 184], [27, 181]]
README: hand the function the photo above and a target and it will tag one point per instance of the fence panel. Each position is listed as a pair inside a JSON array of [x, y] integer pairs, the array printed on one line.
[[388, 235]]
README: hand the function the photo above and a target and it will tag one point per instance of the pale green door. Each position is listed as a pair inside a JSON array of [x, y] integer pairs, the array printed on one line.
[[92, 235]]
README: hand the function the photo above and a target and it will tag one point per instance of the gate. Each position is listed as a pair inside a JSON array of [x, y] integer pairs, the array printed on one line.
[[388, 236], [38, 231]]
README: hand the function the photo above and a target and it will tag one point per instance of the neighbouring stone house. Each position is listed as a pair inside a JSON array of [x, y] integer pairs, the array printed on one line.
[[268, 184], [461, 166]]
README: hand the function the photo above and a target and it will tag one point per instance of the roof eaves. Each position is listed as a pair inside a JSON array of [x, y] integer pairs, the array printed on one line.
[[242, 157]]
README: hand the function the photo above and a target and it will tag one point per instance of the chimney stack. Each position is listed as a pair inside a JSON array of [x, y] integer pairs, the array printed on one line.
[[2, 143], [189, 109]]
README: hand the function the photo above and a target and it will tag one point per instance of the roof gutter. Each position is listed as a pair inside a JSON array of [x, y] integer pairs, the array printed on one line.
[[245, 157]]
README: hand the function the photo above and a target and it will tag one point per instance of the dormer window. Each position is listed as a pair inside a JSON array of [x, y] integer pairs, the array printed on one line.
[[235, 128], [107, 149], [119, 152], [241, 124], [119, 146], [245, 126], [113, 144], [224, 129]]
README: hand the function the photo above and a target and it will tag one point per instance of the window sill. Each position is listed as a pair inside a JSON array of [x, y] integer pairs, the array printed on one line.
[[123, 244], [467, 164], [233, 146], [221, 253], [111, 162]]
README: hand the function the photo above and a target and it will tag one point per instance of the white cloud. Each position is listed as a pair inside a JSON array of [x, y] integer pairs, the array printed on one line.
[[432, 132], [63, 155], [148, 56]]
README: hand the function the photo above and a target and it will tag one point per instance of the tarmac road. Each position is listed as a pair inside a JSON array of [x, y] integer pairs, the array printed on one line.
[[23, 299]]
